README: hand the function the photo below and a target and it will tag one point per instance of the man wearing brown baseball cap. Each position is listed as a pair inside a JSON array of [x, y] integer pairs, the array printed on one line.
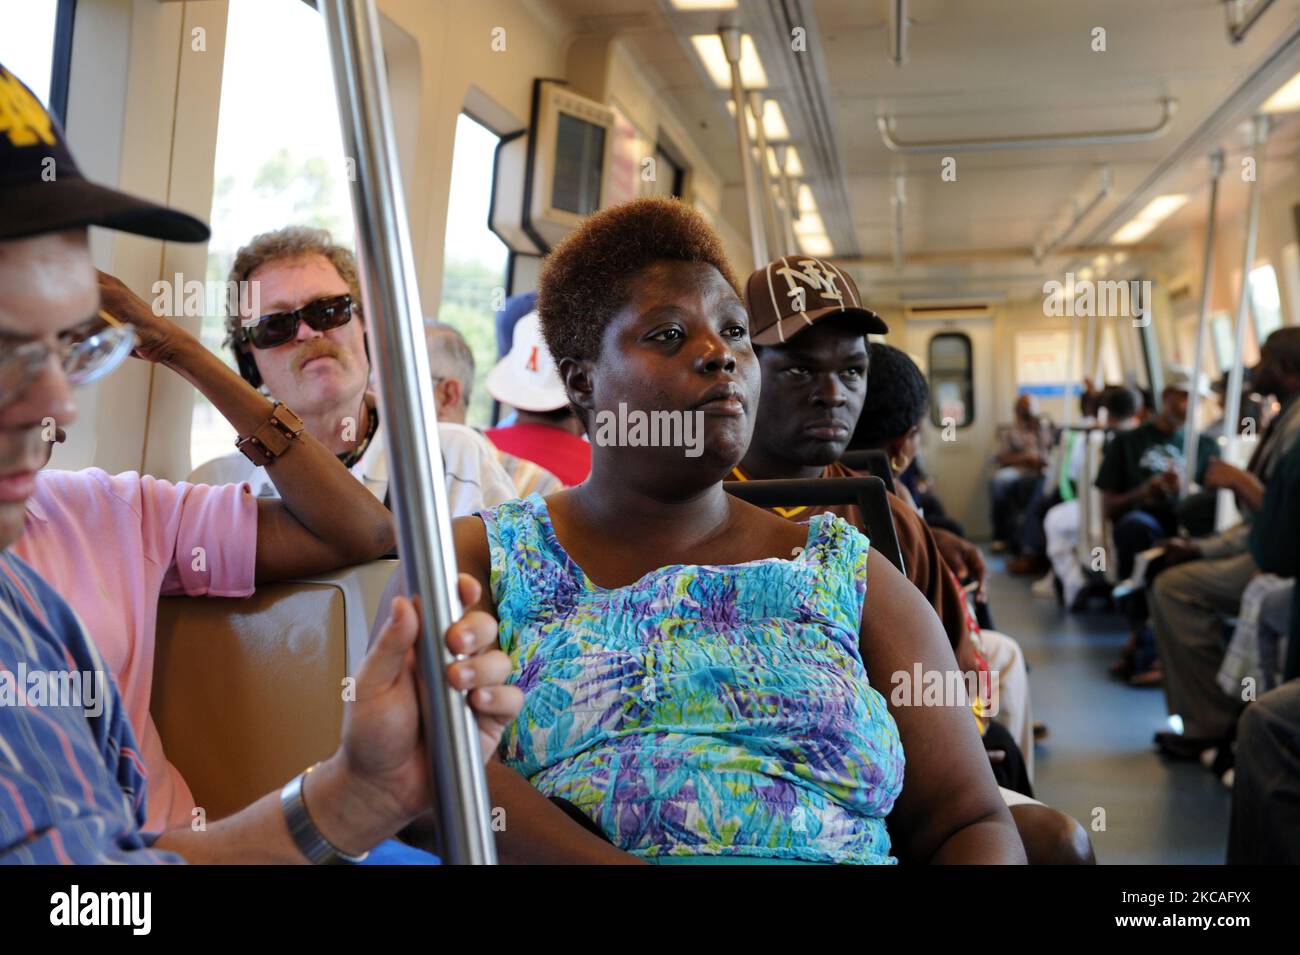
[[71, 785], [810, 331], [810, 328]]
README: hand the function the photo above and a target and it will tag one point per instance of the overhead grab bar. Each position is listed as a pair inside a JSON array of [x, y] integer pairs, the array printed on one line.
[[1240, 21], [885, 124], [390, 299]]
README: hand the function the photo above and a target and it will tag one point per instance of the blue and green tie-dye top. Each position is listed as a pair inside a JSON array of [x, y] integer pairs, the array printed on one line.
[[703, 710]]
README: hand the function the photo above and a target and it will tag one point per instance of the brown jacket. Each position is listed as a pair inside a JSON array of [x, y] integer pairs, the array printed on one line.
[[925, 565]]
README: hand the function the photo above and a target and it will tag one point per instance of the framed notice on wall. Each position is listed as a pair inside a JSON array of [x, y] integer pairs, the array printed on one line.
[[1041, 368]]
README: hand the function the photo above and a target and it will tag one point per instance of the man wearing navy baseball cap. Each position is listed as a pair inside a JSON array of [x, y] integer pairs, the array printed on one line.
[[71, 788]]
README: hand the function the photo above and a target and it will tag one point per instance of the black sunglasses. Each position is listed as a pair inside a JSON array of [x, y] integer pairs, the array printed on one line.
[[270, 331]]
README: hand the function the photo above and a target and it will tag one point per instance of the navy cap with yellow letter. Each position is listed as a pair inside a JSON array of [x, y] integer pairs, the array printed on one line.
[[41, 189]]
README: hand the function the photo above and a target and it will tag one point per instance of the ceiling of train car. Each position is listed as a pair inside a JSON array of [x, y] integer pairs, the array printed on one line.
[[982, 69]]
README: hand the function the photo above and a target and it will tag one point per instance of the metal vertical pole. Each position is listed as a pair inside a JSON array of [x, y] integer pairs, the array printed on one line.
[[770, 216], [1192, 435], [1068, 406], [391, 303], [788, 212], [1226, 513], [898, 203], [730, 37], [790, 202]]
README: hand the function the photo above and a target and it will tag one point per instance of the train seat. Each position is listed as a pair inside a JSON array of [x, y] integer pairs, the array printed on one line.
[[868, 493], [248, 692]]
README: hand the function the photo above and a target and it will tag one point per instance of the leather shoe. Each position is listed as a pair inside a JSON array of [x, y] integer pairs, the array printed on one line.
[[1178, 746]]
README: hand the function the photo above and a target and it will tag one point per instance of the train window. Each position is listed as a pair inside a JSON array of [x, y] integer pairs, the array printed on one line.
[[952, 386], [1222, 337], [1291, 273], [474, 261], [1265, 301], [279, 158], [27, 44]]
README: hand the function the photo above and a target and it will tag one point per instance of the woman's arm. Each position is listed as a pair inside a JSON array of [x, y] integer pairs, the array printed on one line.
[[949, 810], [536, 830], [326, 518]]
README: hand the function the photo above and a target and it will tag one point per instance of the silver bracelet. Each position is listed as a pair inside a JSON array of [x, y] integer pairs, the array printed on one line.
[[308, 839]]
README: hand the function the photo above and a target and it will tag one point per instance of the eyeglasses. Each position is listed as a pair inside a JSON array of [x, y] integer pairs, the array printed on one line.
[[86, 353], [271, 331]]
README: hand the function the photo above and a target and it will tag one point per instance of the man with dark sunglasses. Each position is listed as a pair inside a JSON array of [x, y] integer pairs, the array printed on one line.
[[307, 348], [71, 785]]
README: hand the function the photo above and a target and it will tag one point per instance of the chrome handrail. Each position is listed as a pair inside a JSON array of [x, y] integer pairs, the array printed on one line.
[[1226, 512], [1102, 138], [1192, 430], [391, 300]]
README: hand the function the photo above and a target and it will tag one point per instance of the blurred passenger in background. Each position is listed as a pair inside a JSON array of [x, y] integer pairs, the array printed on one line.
[[545, 430], [1139, 481], [1021, 458], [452, 365]]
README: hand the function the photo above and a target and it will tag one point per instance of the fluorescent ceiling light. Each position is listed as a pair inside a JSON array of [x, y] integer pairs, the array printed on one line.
[[774, 127], [1155, 212], [809, 223], [1284, 100], [807, 204], [703, 4], [708, 46], [815, 245], [793, 166]]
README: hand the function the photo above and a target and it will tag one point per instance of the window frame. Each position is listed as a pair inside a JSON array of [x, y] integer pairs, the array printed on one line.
[[969, 388], [61, 61], [665, 150]]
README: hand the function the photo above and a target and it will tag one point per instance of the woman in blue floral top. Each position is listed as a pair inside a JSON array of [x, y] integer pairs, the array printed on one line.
[[704, 681]]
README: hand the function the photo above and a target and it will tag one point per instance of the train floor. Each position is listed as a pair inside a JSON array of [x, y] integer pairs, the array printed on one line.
[[1098, 762]]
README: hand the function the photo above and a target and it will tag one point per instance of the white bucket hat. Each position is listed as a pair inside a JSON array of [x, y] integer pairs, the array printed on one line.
[[526, 377]]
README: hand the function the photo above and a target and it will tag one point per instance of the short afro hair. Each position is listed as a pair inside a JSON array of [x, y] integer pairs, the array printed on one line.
[[585, 279], [1121, 402], [897, 398]]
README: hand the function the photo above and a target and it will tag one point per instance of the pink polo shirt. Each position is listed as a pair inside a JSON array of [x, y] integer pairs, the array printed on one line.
[[111, 545]]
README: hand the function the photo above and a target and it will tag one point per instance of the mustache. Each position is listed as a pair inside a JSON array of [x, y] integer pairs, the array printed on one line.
[[318, 348]]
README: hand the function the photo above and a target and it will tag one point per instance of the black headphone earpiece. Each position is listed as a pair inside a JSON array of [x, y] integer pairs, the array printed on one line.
[[247, 367]]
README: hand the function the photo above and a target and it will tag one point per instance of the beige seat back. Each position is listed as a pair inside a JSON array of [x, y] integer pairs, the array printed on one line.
[[249, 692]]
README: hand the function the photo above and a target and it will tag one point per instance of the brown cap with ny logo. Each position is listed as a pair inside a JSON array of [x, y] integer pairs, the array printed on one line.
[[793, 292], [41, 189]]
